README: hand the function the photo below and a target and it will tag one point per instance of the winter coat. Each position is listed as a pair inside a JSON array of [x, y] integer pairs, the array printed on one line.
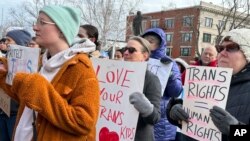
[[67, 107], [238, 102], [163, 129], [145, 125], [211, 64]]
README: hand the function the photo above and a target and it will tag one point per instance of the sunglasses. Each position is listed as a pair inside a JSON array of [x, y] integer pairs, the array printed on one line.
[[229, 48], [130, 49]]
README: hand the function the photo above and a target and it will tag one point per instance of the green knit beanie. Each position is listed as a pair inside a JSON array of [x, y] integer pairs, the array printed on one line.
[[66, 18]]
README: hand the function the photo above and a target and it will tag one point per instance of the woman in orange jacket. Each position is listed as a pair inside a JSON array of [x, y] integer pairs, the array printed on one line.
[[63, 98]]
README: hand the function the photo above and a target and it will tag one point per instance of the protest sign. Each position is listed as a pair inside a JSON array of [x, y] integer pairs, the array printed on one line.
[[118, 79], [161, 70], [21, 59], [204, 87], [4, 102]]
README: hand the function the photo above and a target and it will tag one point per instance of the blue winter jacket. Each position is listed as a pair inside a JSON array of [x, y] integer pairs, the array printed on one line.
[[163, 130]]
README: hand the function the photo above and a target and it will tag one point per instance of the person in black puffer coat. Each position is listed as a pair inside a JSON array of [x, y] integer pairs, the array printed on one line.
[[234, 52]]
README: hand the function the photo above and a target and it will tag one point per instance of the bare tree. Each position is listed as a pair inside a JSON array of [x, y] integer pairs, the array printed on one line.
[[109, 16], [26, 13], [235, 15]]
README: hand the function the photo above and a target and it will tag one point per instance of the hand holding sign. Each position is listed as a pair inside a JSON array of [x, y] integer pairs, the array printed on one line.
[[205, 87], [222, 119], [21, 59], [141, 103], [177, 113]]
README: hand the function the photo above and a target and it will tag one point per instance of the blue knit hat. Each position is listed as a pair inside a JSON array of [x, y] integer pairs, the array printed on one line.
[[21, 37], [66, 18]]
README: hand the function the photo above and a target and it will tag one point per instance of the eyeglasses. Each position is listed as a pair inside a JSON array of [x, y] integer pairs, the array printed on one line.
[[42, 22], [229, 48], [130, 49]]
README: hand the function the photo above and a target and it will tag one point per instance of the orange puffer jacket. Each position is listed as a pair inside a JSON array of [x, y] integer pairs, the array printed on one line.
[[67, 107]]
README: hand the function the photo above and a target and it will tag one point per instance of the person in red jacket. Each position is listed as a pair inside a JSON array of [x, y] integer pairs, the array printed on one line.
[[208, 58]]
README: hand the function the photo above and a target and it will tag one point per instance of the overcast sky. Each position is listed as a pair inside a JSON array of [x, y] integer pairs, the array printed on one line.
[[156, 5], [146, 6]]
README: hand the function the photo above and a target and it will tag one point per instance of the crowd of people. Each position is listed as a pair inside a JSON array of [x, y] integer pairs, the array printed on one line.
[[61, 101]]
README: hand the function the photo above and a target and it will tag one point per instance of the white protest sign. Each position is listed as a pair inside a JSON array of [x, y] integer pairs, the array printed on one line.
[[161, 70], [5, 102], [118, 79], [204, 88], [21, 59]]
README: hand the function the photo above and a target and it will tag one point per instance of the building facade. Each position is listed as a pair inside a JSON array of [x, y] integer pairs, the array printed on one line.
[[188, 30]]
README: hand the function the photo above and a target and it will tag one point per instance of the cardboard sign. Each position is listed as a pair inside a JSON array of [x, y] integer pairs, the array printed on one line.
[[5, 102], [204, 88], [21, 59], [161, 70], [118, 79]]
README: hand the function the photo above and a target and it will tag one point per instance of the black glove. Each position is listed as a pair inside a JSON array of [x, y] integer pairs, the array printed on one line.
[[222, 119], [141, 103], [177, 113]]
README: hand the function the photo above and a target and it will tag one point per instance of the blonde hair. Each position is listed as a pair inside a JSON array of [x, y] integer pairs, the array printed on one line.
[[143, 42]]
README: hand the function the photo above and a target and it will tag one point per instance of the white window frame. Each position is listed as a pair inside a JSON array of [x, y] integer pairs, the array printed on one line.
[[157, 25], [172, 24], [208, 22], [171, 37]]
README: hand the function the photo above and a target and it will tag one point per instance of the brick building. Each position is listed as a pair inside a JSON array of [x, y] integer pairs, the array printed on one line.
[[188, 30]]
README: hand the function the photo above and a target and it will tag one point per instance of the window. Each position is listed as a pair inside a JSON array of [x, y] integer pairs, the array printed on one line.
[[187, 21], [221, 24], [208, 22], [207, 37], [169, 37], [154, 23], [169, 51], [169, 23], [185, 51], [186, 37]]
